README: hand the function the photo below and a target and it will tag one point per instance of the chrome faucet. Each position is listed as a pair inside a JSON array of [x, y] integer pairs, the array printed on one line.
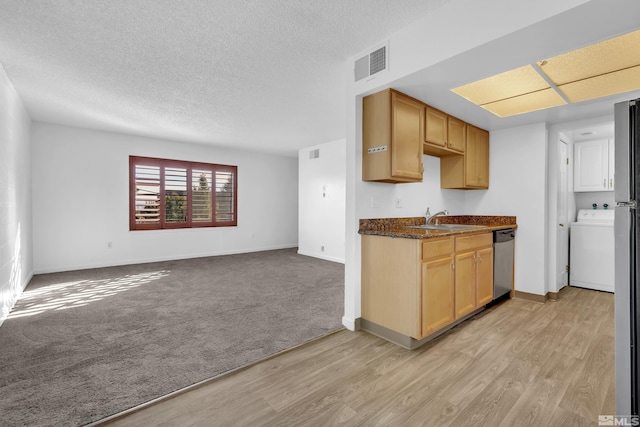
[[430, 217]]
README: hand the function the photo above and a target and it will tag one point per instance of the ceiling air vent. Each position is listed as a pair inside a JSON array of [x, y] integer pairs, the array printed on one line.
[[371, 63]]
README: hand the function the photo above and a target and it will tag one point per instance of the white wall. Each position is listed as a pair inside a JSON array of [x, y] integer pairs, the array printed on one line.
[[409, 54], [517, 186], [587, 199], [16, 255], [81, 201], [321, 201], [379, 200], [455, 27]]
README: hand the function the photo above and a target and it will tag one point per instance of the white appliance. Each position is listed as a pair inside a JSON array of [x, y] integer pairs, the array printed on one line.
[[592, 260]]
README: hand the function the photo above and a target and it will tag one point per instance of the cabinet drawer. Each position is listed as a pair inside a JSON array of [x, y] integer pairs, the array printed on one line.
[[434, 248], [473, 242]]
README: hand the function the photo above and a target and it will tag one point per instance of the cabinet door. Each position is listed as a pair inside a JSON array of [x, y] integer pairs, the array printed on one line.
[[435, 127], [456, 130], [437, 294], [591, 166], [465, 280], [476, 158], [482, 158], [406, 137], [470, 157], [484, 276], [612, 165]]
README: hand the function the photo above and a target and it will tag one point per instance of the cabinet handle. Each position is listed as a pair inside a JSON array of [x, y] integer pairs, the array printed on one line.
[[610, 182], [604, 184]]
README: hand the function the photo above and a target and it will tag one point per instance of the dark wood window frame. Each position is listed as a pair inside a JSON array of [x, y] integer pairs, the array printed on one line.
[[170, 194]]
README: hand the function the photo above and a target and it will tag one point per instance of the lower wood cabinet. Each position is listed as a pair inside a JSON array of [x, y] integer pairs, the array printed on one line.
[[484, 276], [438, 296], [474, 273], [465, 284], [416, 287]]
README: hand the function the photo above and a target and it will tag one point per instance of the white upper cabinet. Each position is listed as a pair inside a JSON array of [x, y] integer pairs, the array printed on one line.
[[593, 166]]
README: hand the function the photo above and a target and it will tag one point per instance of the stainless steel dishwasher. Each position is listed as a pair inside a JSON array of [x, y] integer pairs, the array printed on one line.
[[503, 246]]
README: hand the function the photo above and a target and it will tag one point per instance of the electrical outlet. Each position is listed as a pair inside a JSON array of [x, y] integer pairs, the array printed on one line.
[[375, 203], [109, 245], [321, 248], [398, 203]]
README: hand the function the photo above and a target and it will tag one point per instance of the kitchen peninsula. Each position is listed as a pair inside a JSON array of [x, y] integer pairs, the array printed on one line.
[[420, 280]]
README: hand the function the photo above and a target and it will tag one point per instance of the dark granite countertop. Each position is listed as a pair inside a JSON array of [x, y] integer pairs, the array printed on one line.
[[400, 227]]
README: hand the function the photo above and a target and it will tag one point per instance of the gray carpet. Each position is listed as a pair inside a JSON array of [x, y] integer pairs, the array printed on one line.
[[80, 346]]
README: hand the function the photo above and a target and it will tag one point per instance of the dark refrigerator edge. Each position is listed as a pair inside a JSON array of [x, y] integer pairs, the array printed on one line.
[[627, 237]]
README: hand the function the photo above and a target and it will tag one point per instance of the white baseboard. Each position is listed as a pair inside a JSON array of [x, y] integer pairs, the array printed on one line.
[[348, 323], [321, 256], [116, 263], [6, 309], [594, 286]]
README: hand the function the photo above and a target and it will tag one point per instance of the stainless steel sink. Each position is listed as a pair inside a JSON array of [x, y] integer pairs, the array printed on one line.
[[446, 226]]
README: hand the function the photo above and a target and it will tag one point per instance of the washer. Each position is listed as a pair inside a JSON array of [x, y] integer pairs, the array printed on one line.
[[592, 250]]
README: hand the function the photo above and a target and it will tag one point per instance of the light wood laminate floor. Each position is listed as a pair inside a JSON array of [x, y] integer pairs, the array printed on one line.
[[519, 363]]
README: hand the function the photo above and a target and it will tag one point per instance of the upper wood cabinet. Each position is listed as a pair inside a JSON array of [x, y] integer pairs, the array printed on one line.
[[593, 166], [470, 171], [392, 138], [444, 134], [397, 130], [435, 127], [457, 134]]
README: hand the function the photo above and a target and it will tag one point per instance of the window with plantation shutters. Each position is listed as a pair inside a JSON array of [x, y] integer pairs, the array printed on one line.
[[178, 194]]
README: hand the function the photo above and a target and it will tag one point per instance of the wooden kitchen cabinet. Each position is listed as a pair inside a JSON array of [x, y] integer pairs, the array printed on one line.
[[436, 129], [397, 130], [474, 273], [484, 289], [438, 296], [392, 138], [471, 170], [456, 129], [417, 287], [444, 134], [593, 166], [465, 285], [391, 283]]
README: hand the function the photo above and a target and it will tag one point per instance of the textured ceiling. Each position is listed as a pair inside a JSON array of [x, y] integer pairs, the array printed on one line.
[[255, 74]]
